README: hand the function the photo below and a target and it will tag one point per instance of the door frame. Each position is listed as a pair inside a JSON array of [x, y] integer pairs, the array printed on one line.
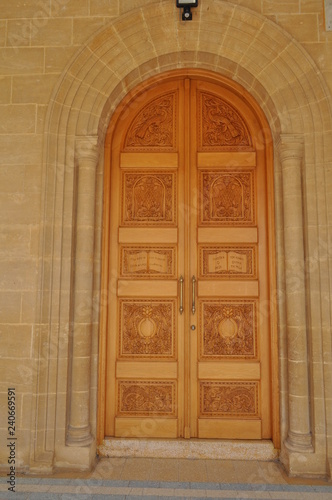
[[106, 280]]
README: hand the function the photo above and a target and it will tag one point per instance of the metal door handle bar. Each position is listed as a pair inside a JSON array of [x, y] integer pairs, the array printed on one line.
[[181, 281], [193, 282]]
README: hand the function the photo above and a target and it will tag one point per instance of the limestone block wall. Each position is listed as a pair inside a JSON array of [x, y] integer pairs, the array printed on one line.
[[37, 39], [64, 66]]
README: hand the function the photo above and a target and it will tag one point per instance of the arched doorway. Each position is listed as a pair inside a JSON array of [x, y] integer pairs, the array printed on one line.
[[188, 264], [96, 80]]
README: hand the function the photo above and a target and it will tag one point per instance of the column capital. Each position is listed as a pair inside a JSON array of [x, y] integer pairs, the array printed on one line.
[[86, 147], [291, 146]]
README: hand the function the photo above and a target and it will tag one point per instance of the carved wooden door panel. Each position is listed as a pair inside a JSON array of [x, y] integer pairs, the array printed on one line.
[[231, 351], [188, 200], [145, 354]]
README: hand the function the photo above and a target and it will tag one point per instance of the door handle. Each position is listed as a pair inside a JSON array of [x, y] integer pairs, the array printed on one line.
[[181, 281], [193, 284]]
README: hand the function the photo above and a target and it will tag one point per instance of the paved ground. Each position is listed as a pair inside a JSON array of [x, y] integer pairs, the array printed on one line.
[[150, 478]]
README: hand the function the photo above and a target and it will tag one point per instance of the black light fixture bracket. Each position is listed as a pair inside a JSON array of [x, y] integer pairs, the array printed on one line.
[[186, 5]]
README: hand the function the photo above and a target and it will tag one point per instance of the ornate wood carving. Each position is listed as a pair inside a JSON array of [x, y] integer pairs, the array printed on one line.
[[154, 126], [148, 262], [227, 198], [221, 127], [147, 328], [228, 262], [138, 398], [229, 399], [228, 329], [149, 198]]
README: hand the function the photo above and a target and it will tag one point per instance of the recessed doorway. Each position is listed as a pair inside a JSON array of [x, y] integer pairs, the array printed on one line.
[[188, 341]]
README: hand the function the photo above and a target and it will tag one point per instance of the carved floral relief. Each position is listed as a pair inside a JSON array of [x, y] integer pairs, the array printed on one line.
[[229, 399], [148, 198], [228, 329], [138, 398], [154, 126], [227, 198], [147, 328], [221, 127]]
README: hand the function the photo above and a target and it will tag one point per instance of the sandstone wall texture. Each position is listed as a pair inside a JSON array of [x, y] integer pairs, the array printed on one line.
[[64, 66]]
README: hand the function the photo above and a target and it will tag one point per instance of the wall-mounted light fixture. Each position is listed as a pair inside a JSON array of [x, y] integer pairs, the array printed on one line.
[[186, 5]]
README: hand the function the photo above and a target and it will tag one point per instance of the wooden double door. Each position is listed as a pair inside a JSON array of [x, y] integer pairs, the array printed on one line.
[[188, 327]]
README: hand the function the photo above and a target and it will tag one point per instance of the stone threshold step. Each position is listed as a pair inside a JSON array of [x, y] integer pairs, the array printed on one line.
[[188, 448]]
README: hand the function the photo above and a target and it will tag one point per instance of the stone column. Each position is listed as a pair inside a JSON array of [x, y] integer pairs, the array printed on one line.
[[299, 434], [86, 159]]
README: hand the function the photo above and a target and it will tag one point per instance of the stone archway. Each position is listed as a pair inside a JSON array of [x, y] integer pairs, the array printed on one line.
[[281, 77]]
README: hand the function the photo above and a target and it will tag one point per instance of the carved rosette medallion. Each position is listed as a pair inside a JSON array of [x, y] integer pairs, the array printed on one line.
[[227, 198], [220, 126], [147, 329], [228, 329], [148, 198], [154, 126], [227, 262], [229, 399], [147, 262], [138, 398]]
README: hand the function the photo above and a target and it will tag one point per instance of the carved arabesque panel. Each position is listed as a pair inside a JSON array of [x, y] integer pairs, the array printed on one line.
[[228, 329], [220, 126], [147, 262], [227, 262], [147, 328], [149, 198], [154, 127], [138, 398], [227, 198], [229, 399]]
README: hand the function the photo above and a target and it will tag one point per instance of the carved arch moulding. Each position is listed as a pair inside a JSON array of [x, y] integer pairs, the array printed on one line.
[[95, 81]]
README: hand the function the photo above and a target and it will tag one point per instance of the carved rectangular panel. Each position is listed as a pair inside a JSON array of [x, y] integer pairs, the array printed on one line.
[[227, 197], [228, 329], [150, 160], [139, 398], [147, 328], [149, 198], [227, 262], [146, 262], [229, 399]]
